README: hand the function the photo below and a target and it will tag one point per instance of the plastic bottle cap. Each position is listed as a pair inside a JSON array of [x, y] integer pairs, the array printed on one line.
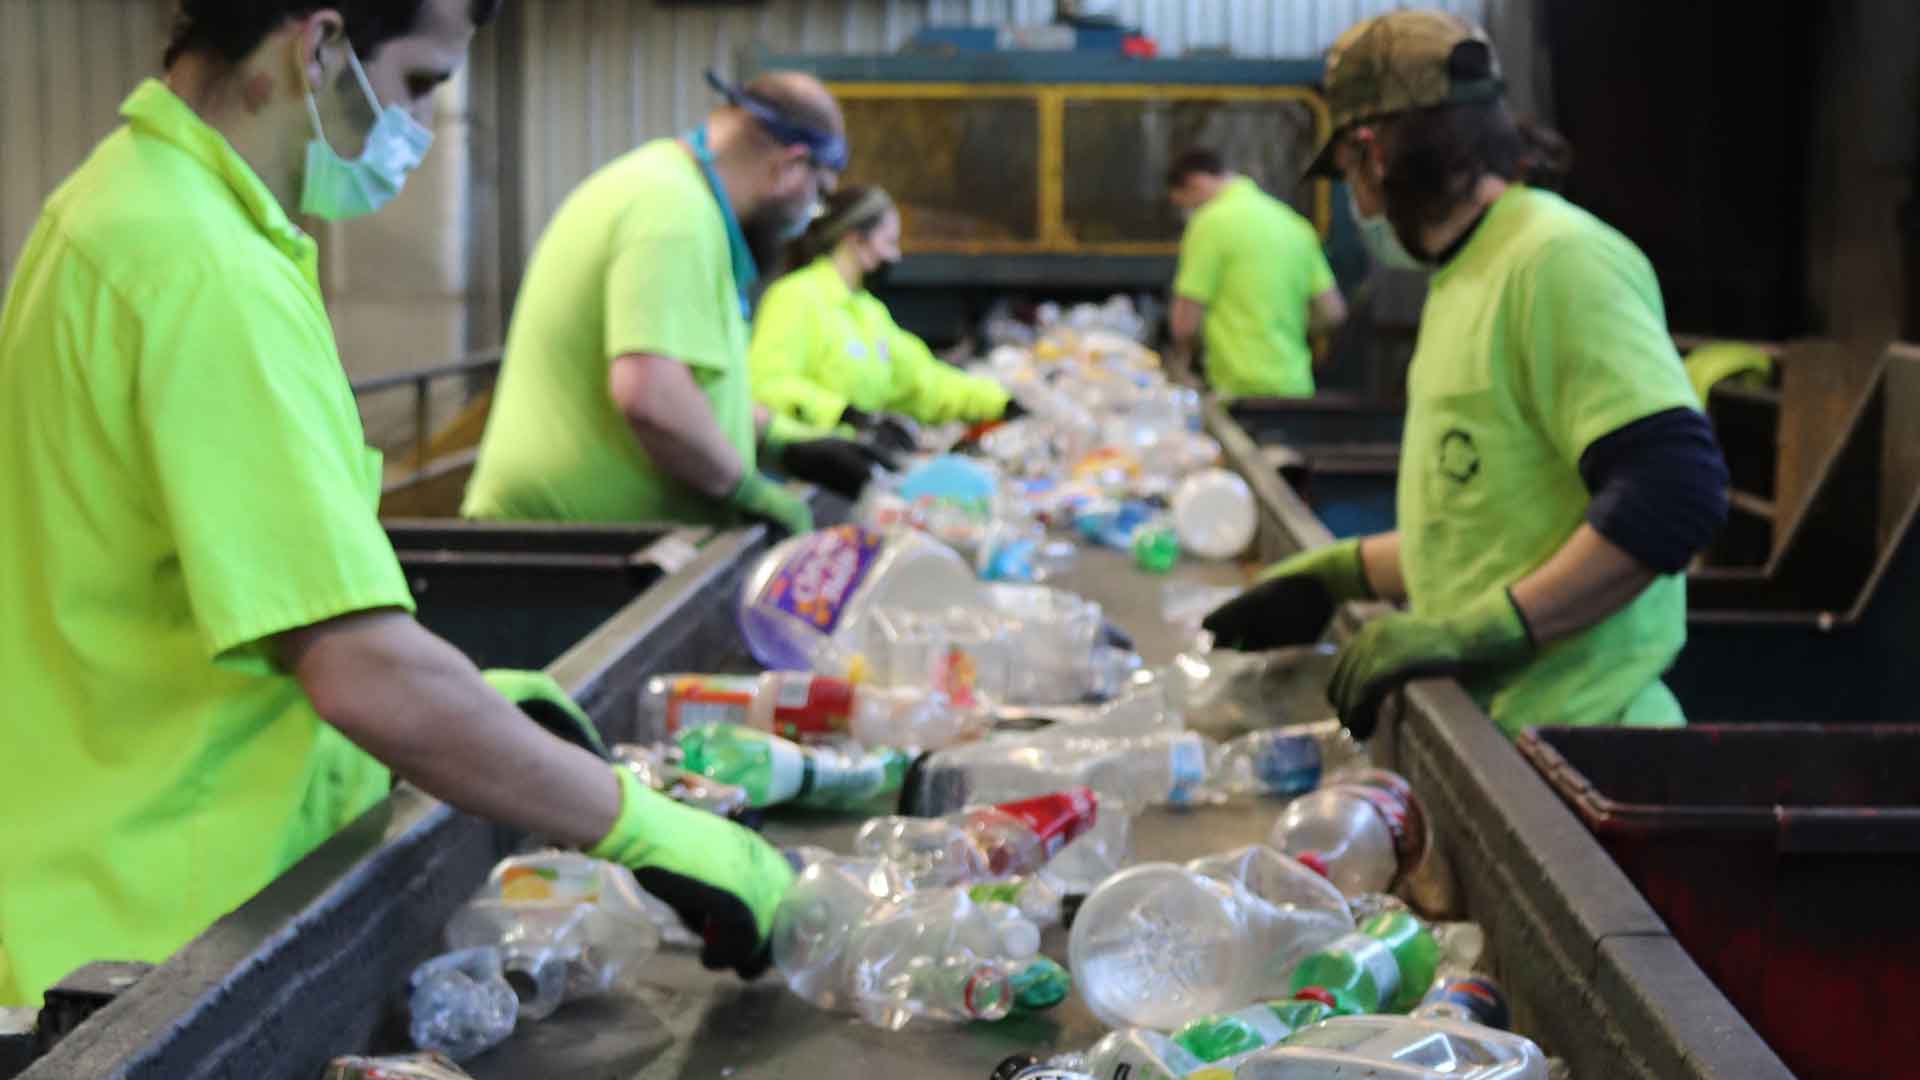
[[1313, 861], [1315, 993]]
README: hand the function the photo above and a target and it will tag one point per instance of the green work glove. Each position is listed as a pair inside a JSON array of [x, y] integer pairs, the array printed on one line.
[[723, 880], [1393, 650], [760, 497], [1293, 600], [542, 699]]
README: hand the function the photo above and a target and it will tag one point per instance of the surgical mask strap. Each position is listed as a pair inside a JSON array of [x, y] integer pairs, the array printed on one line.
[[359, 75]]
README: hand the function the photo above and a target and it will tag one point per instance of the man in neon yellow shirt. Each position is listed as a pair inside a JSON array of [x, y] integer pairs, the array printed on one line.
[[624, 395], [827, 352], [1556, 473], [1253, 277], [207, 642]]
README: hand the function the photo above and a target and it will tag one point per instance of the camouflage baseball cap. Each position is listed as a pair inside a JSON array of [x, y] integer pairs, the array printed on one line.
[[1400, 61]]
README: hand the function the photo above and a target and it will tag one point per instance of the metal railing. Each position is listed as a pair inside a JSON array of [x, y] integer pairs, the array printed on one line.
[[421, 380]]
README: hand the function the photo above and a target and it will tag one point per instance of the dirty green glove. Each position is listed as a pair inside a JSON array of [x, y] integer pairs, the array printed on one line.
[[1393, 650], [757, 496], [723, 880], [1292, 601]]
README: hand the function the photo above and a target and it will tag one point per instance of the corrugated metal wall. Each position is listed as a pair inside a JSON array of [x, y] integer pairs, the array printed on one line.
[[65, 65], [605, 75]]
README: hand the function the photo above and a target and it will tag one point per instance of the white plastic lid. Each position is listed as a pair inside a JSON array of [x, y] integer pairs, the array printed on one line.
[[1214, 515]]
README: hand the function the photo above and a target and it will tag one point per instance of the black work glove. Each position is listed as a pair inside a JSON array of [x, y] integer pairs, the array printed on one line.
[[889, 432], [1013, 411], [1293, 602], [841, 466]]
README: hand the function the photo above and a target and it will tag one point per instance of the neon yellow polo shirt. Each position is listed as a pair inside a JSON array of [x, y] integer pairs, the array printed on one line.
[[1545, 333], [819, 346], [182, 476], [638, 260], [1256, 264]]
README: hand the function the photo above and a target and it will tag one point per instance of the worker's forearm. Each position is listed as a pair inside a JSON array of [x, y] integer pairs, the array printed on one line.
[[1588, 579], [1380, 559], [414, 702], [673, 422]]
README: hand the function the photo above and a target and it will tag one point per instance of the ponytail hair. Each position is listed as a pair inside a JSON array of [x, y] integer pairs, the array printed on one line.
[[854, 208]]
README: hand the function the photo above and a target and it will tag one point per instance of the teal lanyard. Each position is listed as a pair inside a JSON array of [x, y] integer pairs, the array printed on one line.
[[745, 270]]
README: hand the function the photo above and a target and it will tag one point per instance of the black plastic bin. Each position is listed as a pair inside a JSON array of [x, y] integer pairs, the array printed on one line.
[[1784, 857]]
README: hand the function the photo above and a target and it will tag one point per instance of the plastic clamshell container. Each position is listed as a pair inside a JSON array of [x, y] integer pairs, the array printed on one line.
[[1785, 858], [1397, 1048]]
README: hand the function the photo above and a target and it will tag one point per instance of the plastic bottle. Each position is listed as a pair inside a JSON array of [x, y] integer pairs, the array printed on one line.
[[774, 770], [1213, 1038], [804, 605], [427, 1066], [1281, 762], [566, 927], [980, 843], [460, 1003], [801, 706], [816, 918], [1363, 829], [650, 764], [1213, 511], [1158, 944], [1133, 754], [1398, 1048], [932, 954], [1469, 998], [1384, 966]]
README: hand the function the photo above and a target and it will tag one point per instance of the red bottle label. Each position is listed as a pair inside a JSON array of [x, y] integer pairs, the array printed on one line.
[[1057, 819], [811, 705]]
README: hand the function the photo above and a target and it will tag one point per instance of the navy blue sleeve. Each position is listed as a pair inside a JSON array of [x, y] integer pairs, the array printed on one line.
[[1659, 487]]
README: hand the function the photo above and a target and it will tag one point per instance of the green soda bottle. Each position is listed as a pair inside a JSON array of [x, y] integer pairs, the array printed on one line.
[[1385, 966], [774, 770], [1211, 1038]]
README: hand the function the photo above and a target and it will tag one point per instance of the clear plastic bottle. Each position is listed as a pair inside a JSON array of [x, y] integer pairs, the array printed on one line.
[[777, 771], [566, 926], [1158, 944], [1132, 754], [804, 606], [1384, 966], [461, 1004], [1364, 829], [932, 954], [1281, 762], [805, 707], [1398, 1048], [1220, 1036], [816, 918], [980, 843]]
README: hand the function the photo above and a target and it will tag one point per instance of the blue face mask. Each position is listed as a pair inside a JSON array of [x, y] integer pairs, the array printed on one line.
[[1377, 234], [336, 189]]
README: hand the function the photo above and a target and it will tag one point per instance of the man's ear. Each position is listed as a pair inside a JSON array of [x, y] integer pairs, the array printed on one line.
[[321, 39]]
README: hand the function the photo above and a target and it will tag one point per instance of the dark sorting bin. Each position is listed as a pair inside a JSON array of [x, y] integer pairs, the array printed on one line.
[[1786, 860], [518, 594]]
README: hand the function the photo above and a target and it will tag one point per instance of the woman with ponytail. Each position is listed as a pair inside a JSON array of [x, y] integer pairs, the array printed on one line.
[[827, 353]]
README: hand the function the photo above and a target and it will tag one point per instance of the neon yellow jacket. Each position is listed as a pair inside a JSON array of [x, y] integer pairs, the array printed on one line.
[[819, 346]]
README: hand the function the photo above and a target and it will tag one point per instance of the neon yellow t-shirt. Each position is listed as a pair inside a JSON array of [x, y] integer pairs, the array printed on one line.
[[819, 346], [1545, 333], [638, 260], [1256, 264], [182, 476]]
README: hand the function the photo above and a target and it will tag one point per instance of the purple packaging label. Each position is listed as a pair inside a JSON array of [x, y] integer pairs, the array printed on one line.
[[818, 579]]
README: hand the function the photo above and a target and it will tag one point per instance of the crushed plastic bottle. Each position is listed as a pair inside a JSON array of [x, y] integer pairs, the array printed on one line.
[[815, 920], [651, 765], [805, 605], [806, 707], [932, 954], [1384, 966], [1218, 1037], [980, 843], [775, 771], [1398, 1048], [460, 1004], [1364, 830], [566, 927], [1158, 944]]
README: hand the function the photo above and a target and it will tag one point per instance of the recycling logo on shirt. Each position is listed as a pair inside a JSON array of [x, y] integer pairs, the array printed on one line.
[[1459, 458]]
